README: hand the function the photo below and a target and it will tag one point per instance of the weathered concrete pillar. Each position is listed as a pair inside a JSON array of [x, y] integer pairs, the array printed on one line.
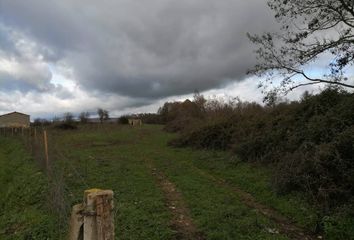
[[76, 223], [94, 219], [104, 215], [98, 218]]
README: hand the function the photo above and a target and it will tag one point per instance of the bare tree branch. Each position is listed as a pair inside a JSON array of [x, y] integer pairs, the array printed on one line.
[[310, 29]]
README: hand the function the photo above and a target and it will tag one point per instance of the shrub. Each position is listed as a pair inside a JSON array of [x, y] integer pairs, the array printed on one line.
[[211, 136], [40, 122], [66, 126], [310, 142], [123, 120]]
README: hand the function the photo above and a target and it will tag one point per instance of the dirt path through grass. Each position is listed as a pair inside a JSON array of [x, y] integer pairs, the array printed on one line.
[[181, 222], [285, 225], [167, 193]]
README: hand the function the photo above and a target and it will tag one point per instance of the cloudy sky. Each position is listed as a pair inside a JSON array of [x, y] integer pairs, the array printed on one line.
[[125, 55]]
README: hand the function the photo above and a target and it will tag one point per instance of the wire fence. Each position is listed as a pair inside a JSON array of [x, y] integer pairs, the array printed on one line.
[[45, 150]]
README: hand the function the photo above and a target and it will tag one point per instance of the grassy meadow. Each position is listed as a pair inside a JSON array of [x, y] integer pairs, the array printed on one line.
[[128, 160], [24, 212]]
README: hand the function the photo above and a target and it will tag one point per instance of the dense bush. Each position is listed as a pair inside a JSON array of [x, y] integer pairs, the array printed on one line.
[[181, 116], [123, 119], [309, 142], [66, 126], [215, 136], [40, 122], [150, 118], [146, 118]]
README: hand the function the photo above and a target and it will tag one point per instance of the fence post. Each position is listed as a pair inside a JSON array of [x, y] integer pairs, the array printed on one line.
[[93, 220], [76, 223], [46, 150]]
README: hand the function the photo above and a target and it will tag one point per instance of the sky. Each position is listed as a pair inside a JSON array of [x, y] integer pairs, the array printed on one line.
[[127, 56]]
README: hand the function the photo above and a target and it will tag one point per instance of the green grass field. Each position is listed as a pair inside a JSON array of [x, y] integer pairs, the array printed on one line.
[[24, 213], [126, 160]]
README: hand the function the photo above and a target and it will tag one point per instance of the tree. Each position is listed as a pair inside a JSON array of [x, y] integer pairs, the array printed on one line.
[[56, 119], [310, 30], [102, 114], [68, 117], [124, 119], [84, 116], [200, 101], [40, 122]]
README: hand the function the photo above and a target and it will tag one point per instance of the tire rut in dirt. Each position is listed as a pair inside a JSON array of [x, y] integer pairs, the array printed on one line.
[[285, 225], [181, 222]]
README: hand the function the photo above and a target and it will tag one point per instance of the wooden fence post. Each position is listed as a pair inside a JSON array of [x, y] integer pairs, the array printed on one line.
[[93, 220], [46, 150]]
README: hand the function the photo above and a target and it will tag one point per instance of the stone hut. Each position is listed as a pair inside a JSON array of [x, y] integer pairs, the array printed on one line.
[[135, 122]]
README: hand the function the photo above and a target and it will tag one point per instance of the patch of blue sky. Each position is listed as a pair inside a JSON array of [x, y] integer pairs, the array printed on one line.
[[60, 79]]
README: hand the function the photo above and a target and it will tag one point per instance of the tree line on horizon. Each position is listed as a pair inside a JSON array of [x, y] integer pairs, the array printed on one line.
[[69, 118]]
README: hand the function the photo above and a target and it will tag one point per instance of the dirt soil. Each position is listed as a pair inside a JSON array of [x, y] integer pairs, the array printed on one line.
[[182, 222]]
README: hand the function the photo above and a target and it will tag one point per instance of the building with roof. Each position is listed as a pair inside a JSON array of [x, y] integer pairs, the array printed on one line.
[[135, 122], [14, 120]]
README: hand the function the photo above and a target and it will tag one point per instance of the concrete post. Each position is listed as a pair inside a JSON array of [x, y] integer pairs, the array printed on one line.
[[93, 220], [76, 223], [98, 219]]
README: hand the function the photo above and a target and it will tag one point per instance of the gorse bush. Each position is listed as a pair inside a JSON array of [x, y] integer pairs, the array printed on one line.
[[123, 119], [66, 126], [215, 136], [183, 116], [309, 142]]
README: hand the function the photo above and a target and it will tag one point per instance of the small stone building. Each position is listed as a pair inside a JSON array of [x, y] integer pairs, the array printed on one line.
[[135, 122], [14, 120]]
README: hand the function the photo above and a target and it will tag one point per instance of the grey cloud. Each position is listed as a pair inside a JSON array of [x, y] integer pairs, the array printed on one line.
[[6, 44], [62, 92], [25, 76], [9, 83], [21, 69], [148, 49]]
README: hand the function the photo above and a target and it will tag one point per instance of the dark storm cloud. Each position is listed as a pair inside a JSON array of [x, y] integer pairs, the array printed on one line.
[[139, 48]]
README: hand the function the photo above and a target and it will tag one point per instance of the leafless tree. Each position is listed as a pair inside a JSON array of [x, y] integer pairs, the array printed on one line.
[[102, 114], [68, 117], [310, 29], [84, 116]]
